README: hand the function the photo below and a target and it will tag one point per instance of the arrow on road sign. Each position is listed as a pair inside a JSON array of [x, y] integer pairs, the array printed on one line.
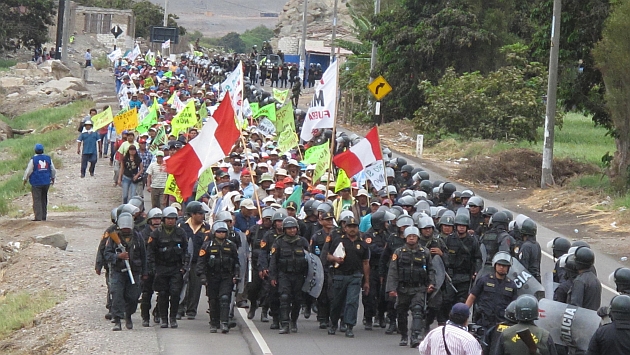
[[379, 88], [116, 31]]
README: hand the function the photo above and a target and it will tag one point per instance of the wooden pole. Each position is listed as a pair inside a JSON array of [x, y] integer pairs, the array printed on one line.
[[334, 130], [384, 167], [249, 165]]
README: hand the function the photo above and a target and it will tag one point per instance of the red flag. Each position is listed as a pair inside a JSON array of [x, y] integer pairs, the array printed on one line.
[[360, 155], [215, 141]]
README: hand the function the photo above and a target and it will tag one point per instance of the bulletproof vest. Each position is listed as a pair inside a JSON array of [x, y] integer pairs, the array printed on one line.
[[375, 240], [291, 256], [492, 240], [513, 345], [395, 242], [257, 242], [221, 257], [460, 255], [318, 241], [170, 250], [412, 266], [131, 244]]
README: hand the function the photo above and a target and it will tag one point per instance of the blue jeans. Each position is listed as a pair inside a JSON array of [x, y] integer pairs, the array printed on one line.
[[346, 291], [128, 189], [88, 158]]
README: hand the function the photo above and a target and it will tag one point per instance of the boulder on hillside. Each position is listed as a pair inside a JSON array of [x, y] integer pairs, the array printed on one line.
[[63, 84], [59, 70], [11, 81], [57, 240]]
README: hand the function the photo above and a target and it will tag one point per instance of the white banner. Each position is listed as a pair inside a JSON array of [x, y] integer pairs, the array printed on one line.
[[266, 127], [114, 55], [134, 53], [376, 174], [166, 44], [322, 113], [247, 110], [234, 85]]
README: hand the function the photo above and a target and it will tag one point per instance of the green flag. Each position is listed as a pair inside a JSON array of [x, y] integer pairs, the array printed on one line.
[[268, 111], [342, 181], [159, 139], [296, 197], [255, 106], [287, 140], [150, 58], [284, 118], [168, 74], [320, 156], [150, 119], [204, 180]]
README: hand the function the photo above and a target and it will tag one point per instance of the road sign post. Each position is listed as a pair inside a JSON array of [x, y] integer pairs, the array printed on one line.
[[379, 88]]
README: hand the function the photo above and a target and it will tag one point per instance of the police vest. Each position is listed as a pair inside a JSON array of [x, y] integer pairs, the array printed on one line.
[[170, 247], [412, 266], [291, 256], [513, 345], [492, 240], [41, 175], [257, 242], [459, 255], [221, 257]]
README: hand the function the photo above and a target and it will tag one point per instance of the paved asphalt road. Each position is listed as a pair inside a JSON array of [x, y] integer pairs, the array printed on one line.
[[249, 337]]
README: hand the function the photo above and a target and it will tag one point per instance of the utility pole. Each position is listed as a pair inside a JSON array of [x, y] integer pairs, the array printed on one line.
[[303, 43], [377, 10], [165, 13], [61, 11], [546, 179], [66, 32], [334, 33]]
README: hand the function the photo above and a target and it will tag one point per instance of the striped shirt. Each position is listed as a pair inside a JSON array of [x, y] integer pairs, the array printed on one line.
[[460, 342], [158, 175]]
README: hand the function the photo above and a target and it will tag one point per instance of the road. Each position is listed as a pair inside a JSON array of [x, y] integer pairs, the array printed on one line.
[[254, 337]]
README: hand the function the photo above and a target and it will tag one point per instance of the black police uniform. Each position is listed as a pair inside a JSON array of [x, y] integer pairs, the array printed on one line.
[[168, 255], [394, 242], [188, 306], [319, 246], [288, 266], [586, 291], [272, 301], [255, 288], [611, 339], [125, 294], [434, 305], [147, 285], [374, 304], [463, 262], [410, 273], [477, 223], [496, 239], [492, 337], [100, 264], [529, 255], [217, 268], [492, 297]]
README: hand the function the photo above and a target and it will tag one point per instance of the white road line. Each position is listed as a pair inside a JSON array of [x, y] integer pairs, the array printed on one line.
[[262, 344], [614, 292]]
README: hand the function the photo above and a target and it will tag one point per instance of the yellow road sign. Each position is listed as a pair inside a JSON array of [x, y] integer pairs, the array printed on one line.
[[379, 87]]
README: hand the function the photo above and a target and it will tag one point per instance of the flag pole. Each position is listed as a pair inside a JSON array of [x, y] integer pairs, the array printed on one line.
[[249, 165], [384, 166], [334, 129]]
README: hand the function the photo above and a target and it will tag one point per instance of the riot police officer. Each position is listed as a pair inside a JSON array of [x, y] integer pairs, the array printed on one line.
[[410, 278], [587, 290], [511, 342], [475, 204], [287, 269], [218, 268], [167, 255], [497, 238], [197, 231], [492, 337], [559, 247], [613, 338], [272, 299], [464, 261], [100, 263], [254, 238], [154, 219], [493, 292], [394, 242], [437, 248], [529, 253], [374, 303], [125, 286], [319, 239]]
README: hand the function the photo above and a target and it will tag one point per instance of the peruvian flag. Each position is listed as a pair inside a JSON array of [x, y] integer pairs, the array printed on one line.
[[360, 155], [214, 143]]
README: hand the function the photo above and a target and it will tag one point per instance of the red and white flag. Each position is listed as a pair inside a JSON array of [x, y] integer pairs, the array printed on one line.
[[360, 155], [214, 143], [323, 108]]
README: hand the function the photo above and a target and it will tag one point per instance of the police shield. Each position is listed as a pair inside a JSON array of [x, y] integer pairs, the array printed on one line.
[[314, 281], [440, 271], [568, 325], [243, 251]]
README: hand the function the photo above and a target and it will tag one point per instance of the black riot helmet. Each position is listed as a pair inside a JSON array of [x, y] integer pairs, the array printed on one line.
[[499, 218], [526, 308], [400, 162], [489, 211], [380, 218], [448, 188], [426, 186], [462, 220], [194, 207], [620, 308], [529, 228], [310, 207], [510, 312], [289, 222], [560, 246], [406, 168], [584, 258], [622, 279]]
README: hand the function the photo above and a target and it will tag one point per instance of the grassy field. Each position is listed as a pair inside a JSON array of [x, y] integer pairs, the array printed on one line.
[[19, 310], [6, 63], [15, 153]]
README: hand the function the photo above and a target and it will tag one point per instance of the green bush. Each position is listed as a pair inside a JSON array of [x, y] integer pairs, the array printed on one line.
[[505, 104]]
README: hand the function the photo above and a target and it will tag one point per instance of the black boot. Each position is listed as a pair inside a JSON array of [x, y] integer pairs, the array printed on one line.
[[117, 326], [343, 327], [275, 324], [108, 316], [164, 323], [368, 324], [392, 328], [146, 323], [252, 312], [263, 316], [128, 323], [294, 327], [415, 340], [332, 330], [381, 322], [285, 328], [173, 322], [323, 324], [307, 312], [403, 340], [224, 328], [349, 333]]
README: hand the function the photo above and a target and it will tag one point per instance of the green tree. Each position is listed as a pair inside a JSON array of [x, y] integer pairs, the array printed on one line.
[[256, 36], [148, 15], [504, 104], [232, 41], [26, 22], [611, 57]]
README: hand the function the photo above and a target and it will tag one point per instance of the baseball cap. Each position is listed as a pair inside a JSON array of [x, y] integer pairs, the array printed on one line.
[[460, 309], [159, 153], [362, 192], [248, 203], [142, 140], [281, 172]]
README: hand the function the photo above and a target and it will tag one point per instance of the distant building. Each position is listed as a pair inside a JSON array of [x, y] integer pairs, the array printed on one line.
[[98, 22]]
